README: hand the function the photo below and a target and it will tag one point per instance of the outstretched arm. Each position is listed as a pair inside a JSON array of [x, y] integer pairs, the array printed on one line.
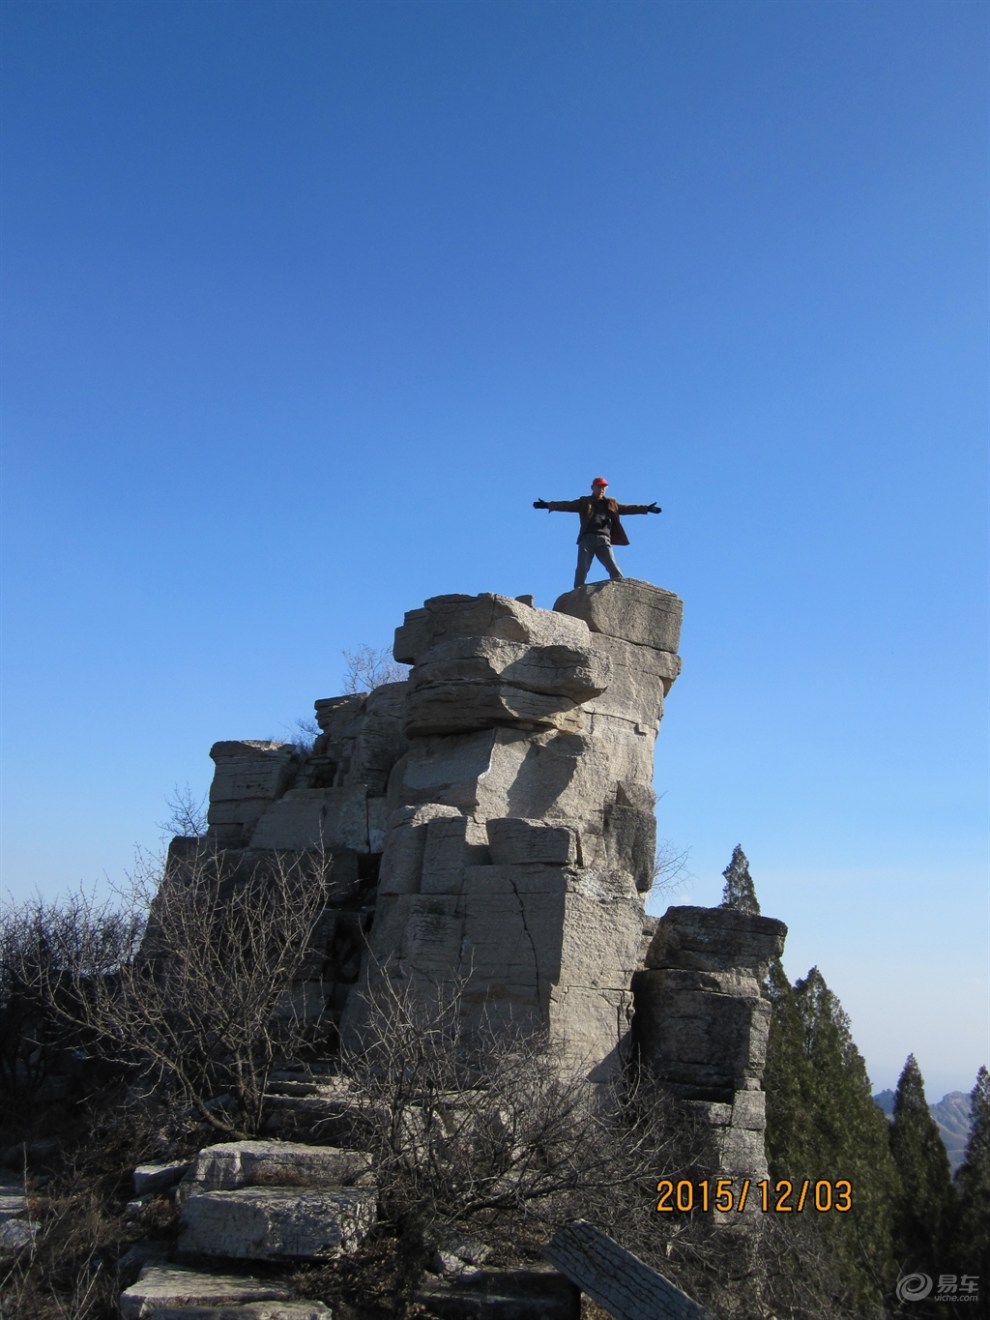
[[639, 508], [559, 506]]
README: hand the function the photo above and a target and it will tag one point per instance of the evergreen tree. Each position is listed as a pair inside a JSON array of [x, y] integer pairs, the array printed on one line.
[[925, 1209], [972, 1244], [739, 891], [822, 1125]]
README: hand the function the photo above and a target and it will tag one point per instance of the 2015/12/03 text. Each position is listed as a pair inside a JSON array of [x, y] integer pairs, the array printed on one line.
[[778, 1196]]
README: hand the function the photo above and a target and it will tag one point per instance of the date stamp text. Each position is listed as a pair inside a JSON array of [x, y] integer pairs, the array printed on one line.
[[779, 1196]]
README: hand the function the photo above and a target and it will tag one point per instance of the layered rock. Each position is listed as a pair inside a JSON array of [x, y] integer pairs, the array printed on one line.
[[521, 832], [262, 1200], [701, 1024], [491, 819]]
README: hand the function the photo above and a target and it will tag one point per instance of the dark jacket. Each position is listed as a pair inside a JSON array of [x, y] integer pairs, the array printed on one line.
[[585, 507]]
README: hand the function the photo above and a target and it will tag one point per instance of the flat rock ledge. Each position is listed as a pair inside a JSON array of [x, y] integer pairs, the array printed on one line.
[[174, 1292], [274, 1223]]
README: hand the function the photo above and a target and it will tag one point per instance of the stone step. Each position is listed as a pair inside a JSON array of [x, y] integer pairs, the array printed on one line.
[[538, 1293], [175, 1292], [328, 1113], [232, 1164], [16, 1230], [275, 1223], [295, 1310]]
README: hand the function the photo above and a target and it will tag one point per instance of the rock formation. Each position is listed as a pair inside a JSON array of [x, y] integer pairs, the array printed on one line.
[[492, 818], [490, 825], [701, 1024]]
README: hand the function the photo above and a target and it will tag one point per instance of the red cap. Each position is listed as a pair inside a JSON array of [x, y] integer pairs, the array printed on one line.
[[599, 481]]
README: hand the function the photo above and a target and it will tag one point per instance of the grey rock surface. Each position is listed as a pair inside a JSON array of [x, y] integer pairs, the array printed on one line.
[[273, 1223], [630, 610], [164, 1288], [701, 1025], [233, 1164], [716, 939]]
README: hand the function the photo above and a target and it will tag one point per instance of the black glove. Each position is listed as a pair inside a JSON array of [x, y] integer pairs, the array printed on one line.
[[654, 508], [540, 504]]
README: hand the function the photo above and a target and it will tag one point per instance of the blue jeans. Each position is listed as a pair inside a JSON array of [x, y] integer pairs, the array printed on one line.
[[595, 545]]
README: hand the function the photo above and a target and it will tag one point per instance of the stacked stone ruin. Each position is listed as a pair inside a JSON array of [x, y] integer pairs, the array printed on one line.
[[491, 826]]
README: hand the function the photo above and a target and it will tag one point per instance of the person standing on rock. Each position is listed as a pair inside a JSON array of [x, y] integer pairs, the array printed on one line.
[[600, 527]]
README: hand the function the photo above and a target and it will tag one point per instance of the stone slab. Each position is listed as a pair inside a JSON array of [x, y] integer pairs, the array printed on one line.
[[716, 939], [632, 610], [162, 1287], [250, 769], [500, 1294], [294, 1310], [274, 1223], [232, 1164], [332, 818], [515, 841], [443, 618], [158, 1177]]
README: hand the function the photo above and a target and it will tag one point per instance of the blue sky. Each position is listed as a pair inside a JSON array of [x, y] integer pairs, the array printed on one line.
[[305, 303]]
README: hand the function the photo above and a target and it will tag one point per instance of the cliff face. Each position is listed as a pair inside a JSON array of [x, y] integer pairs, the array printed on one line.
[[491, 825], [521, 831], [491, 819], [484, 829]]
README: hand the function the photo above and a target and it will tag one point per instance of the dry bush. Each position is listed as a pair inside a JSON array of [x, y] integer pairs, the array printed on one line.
[[187, 981], [369, 667], [492, 1132], [45, 1064], [70, 1271]]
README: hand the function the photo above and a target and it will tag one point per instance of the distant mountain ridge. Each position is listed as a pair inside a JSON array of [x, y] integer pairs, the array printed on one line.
[[952, 1115]]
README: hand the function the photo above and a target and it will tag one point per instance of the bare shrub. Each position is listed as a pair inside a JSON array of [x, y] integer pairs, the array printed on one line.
[[44, 1042], [193, 991], [491, 1130], [670, 869], [70, 1270], [187, 814], [368, 668]]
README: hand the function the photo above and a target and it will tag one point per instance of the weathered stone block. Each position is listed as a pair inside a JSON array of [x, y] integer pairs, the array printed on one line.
[[477, 682], [489, 1294], [632, 610], [431, 935], [313, 817], [163, 1288], [158, 1177], [630, 837], [641, 678], [443, 618], [443, 770], [270, 1223], [405, 846], [716, 939], [446, 853], [591, 1027], [249, 769], [515, 841], [381, 738], [552, 776], [232, 1164], [340, 715], [741, 1151], [696, 1039], [749, 1110]]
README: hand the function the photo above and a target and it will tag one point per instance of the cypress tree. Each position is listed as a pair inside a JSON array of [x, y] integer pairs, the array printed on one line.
[[822, 1125], [972, 1243], [926, 1205], [739, 891]]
